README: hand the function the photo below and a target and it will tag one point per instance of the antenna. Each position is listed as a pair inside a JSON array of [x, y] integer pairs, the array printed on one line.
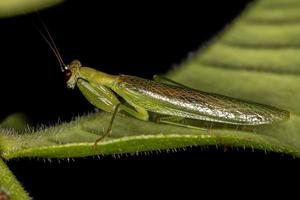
[[49, 40]]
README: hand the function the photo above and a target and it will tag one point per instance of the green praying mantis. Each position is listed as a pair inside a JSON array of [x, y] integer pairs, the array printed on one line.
[[173, 102]]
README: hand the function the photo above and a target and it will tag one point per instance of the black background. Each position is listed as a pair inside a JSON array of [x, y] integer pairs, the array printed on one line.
[[140, 39]]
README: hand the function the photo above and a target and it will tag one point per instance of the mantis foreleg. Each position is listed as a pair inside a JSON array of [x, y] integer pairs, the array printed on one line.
[[104, 99]]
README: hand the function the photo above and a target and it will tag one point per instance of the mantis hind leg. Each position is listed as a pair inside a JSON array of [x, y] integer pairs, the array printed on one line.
[[180, 121], [177, 121]]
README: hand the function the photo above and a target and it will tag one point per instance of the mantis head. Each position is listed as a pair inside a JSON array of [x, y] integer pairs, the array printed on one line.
[[72, 73]]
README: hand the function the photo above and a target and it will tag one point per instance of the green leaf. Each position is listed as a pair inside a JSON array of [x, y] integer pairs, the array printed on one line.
[[256, 58], [9, 8], [9, 186]]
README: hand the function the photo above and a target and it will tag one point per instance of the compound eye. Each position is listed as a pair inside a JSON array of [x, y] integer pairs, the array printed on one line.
[[68, 74]]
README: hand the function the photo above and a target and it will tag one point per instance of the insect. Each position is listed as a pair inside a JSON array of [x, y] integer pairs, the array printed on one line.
[[172, 101]]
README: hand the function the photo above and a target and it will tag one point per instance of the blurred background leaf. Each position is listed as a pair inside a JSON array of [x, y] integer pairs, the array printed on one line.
[[9, 8], [17, 121]]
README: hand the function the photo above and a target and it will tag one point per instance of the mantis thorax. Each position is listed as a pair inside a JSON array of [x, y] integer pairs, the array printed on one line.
[[75, 71]]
